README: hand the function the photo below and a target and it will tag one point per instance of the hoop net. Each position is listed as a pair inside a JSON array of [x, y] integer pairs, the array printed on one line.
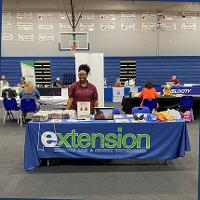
[[73, 48]]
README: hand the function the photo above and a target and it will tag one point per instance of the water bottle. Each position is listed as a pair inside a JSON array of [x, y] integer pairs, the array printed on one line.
[[153, 111]]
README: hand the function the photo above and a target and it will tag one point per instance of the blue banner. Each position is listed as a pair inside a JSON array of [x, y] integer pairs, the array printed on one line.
[[104, 140], [185, 90]]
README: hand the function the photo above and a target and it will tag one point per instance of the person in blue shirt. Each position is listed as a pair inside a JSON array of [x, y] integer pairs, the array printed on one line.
[[30, 92]]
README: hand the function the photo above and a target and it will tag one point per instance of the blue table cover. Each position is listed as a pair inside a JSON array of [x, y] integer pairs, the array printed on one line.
[[103, 139]]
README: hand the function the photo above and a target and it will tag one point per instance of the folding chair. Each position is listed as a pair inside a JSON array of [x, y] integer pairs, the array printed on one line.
[[150, 103], [27, 106], [10, 104]]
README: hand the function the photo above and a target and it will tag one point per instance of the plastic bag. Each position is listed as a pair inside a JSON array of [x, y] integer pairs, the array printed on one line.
[[188, 115]]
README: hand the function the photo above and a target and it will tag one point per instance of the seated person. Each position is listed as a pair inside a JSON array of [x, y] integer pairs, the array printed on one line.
[[57, 83], [30, 92], [22, 82], [4, 83], [118, 83], [148, 92], [130, 83], [174, 80]]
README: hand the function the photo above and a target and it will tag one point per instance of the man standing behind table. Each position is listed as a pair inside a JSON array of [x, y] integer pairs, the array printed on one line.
[[174, 80]]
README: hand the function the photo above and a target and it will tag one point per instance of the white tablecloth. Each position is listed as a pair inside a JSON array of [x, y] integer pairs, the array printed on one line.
[[53, 100]]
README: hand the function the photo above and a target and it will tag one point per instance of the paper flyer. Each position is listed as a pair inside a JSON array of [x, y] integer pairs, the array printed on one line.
[[122, 121], [119, 116], [83, 110]]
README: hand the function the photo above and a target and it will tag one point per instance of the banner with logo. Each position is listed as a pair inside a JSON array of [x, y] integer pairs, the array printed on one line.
[[118, 93], [103, 140], [27, 69], [194, 90]]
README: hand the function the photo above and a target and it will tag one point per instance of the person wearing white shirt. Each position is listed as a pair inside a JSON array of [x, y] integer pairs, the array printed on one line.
[[3, 84], [130, 83]]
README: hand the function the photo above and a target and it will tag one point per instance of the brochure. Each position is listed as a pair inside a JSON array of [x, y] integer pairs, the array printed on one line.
[[83, 110]]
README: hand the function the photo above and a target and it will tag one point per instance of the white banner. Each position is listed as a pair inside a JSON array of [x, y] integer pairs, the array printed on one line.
[[169, 16], [45, 16], [188, 26], [148, 27], [45, 26], [63, 15], [168, 26], [118, 93], [189, 15], [87, 16], [24, 15], [96, 63], [23, 26], [108, 16], [27, 69], [7, 37], [107, 26], [127, 26], [87, 26], [26, 37], [65, 27], [6, 15], [149, 16], [7, 26], [127, 16], [46, 37]]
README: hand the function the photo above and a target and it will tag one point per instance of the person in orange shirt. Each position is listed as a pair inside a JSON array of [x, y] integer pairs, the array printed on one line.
[[118, 83], [148, 92]]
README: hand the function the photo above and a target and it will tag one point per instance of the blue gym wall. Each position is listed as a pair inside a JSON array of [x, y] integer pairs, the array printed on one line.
[[155, 69]]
